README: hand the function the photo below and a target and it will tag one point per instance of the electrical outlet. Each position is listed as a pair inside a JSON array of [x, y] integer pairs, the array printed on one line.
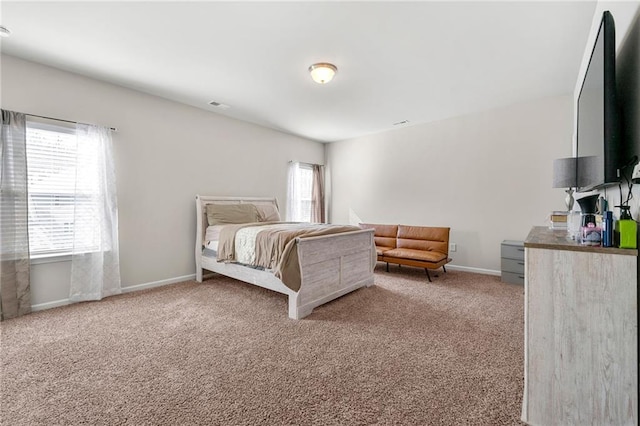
[[453, 246]]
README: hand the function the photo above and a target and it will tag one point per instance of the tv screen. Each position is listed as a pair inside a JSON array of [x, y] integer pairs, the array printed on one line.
[[597, 129]]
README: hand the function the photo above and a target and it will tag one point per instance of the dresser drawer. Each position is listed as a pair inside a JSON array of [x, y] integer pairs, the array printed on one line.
[[513, 265], [512, 251], [512, 277]]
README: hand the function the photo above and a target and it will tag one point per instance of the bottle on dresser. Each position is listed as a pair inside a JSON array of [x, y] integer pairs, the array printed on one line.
[[626, 229], [607, 229]]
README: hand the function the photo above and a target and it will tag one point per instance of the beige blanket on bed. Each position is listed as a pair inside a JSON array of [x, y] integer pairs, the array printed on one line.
[[276, 247]]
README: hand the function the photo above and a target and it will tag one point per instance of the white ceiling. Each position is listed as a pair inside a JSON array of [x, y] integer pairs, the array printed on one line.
[[416, 61]]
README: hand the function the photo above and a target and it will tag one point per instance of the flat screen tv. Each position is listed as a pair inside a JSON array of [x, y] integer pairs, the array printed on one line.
[[597, 128]]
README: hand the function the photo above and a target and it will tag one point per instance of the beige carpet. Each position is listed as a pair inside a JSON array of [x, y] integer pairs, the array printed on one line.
[[404, 352]]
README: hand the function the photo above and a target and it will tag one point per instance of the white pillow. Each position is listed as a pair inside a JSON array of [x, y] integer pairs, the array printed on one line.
[[221, 214], [268, 213]]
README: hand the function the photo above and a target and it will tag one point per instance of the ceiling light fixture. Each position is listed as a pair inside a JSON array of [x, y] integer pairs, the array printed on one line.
[[322, 72], [4, 31]]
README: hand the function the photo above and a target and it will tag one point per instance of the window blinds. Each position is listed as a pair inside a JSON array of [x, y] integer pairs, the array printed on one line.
[[52, 155], [299, 193], [305, 179]]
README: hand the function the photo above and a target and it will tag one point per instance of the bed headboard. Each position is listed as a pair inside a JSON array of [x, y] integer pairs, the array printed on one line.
[[201, 213]]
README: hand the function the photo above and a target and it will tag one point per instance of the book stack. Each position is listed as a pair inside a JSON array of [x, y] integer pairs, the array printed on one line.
[[559, 220]]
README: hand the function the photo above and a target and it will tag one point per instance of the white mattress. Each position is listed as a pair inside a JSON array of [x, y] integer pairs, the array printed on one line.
[[211, 237]]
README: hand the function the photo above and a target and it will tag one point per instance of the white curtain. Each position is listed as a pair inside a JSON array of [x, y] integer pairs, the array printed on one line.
[[95, 266], [293, 192], [15, 293]]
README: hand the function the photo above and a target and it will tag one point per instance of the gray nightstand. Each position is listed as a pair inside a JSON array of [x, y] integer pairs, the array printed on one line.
[[512, 261]]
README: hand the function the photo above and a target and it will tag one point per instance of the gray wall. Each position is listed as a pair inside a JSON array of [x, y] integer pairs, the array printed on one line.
[[486, 175], [166, 153]]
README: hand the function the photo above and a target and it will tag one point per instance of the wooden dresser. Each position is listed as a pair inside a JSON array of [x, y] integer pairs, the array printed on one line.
[[581, 332]]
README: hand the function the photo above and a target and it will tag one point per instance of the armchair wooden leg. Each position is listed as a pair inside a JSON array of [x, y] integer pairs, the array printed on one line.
[[444, 269], [428, 276], [387, 266]]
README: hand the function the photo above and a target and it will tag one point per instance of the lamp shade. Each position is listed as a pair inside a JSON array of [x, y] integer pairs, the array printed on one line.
[[322, 72], [565, 174], [574, 172]]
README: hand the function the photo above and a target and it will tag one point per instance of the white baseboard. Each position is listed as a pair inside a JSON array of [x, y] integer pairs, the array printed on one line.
[[471, 269], [50, 305], [160, 283], [129, 289]]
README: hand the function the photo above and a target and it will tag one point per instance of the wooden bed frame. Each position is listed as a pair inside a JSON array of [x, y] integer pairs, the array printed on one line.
[[330, 265]]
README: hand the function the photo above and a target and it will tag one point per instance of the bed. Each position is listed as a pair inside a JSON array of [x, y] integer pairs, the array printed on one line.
[[328, 266]]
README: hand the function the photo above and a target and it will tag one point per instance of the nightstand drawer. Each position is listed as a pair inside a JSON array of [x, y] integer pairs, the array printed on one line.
[[512, 261], [512, 277], [512, 250], [513, 265]]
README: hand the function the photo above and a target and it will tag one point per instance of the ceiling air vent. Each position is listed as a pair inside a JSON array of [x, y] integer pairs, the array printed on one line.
[[219, 105]]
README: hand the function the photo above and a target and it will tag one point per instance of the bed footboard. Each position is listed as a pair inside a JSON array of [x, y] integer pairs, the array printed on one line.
[[331, 266]]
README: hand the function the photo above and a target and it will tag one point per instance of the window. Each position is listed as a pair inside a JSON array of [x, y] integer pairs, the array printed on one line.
[[300, 192], [52, 155]]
